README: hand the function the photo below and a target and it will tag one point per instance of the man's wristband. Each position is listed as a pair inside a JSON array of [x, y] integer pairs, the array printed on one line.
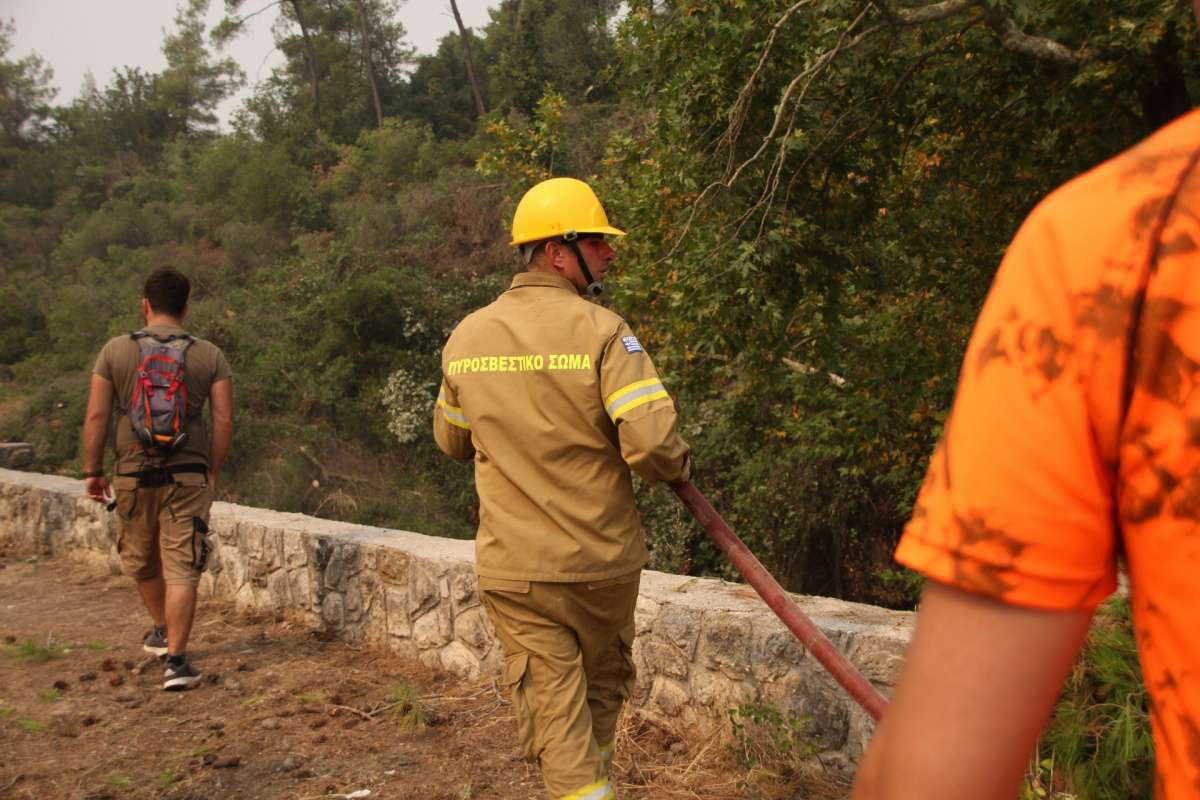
[[93, 473]]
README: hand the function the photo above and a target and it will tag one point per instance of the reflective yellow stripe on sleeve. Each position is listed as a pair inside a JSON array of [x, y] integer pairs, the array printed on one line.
[[630, 397], [600, 790], [452, 414]]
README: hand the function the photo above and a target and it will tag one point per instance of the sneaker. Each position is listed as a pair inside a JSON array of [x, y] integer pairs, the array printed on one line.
[[156, 641], [179, 677]]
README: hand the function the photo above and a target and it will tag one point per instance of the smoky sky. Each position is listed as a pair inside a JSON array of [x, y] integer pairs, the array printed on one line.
[[98, 36]]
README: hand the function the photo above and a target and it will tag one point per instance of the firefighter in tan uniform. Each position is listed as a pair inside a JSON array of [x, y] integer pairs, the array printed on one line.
[[555, 400]]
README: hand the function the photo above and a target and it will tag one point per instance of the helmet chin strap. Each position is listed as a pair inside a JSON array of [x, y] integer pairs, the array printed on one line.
[[594, 287]]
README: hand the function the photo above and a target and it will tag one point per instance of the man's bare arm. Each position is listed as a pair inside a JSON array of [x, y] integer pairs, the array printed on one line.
[[95, 434], [978, 684], [220, 398]]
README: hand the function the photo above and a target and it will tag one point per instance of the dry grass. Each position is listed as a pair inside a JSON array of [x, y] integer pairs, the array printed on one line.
[[654, 760]]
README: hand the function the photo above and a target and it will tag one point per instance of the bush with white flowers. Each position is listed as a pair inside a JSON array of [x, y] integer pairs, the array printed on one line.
[[408, 403]]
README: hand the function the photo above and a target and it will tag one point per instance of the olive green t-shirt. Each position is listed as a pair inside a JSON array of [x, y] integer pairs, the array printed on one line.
[[204, 365]]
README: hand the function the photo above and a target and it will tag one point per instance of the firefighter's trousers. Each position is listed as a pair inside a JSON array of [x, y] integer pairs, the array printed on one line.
[[569, 669]]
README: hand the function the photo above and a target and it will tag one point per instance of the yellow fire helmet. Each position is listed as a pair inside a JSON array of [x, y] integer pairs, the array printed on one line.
[[559, 207]]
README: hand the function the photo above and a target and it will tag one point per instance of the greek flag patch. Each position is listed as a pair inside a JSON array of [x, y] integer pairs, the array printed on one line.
[[632, 345]]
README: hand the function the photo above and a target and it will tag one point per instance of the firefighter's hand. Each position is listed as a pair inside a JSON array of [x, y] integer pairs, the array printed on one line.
[[97, 489], [689, 470]]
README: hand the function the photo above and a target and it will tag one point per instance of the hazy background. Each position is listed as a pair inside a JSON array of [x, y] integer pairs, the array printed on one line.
[[77, 37]]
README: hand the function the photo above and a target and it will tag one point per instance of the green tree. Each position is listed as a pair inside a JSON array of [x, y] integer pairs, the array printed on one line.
[[25, 95], [194, 82], [25, 92], [439, 90], [819, 195], [564, 44], [343, 69]]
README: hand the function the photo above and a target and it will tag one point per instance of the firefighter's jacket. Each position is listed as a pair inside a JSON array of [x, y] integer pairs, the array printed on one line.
[[555, 399]]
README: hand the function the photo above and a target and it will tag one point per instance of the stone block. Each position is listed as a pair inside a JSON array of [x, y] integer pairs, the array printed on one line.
[[427, 631], [273, 549], [341, 566], [243, 597], [817, 696], [280, 590], [16, 455], [713, 690], [668, 697], [879, 660], [356, 598], [431, 659], [393, 566], [664, 657], [396, 602], [682, 629], [333, 610], [493, 662], [727, 642], [473, 629], [645, 614], [300, 587], [456, 658], [423, 591], [294, 554], [250, 541], [778, 651], [464, 589], [404, 648], [374, 623], [257, 574]]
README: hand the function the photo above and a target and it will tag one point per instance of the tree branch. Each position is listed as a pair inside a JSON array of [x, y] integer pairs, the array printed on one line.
[[1011, 37], [919, 16]]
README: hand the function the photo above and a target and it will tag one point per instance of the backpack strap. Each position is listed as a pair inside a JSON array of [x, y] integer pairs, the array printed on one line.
[[171, 337]]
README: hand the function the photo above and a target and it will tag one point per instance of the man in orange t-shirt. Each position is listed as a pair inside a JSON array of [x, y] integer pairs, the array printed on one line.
[[1075, 435]]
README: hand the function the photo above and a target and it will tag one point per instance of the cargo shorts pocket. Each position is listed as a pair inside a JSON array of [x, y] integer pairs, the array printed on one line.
[[200, 544], [126, 490], [515, 669]]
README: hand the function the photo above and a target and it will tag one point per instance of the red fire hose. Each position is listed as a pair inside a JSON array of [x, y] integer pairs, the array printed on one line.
[[769, 589]]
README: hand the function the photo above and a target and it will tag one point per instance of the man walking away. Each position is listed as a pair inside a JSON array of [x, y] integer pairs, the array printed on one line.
[[555, 399], [165, 466]]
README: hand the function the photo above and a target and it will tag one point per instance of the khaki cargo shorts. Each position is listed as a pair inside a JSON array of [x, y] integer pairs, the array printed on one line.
[[163, 530]]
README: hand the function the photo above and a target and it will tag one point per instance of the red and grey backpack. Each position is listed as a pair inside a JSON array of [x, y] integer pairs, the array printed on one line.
[[158, 408]]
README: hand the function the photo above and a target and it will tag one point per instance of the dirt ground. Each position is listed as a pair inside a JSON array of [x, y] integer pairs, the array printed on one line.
[[280, 714]]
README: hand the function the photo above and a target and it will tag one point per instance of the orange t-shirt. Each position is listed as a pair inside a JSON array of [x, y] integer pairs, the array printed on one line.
[[1076, 430]]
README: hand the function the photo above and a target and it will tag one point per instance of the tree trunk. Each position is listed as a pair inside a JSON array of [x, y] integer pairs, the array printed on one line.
[[310, 59], [1164, 92], [465, 35], [366, 38], [517, 23]]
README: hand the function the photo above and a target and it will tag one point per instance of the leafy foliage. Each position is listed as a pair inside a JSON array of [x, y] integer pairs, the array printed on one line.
[[1099, 738], [816, 194], [764, 738]]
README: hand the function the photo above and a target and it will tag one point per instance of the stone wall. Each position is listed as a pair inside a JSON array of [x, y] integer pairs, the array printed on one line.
[[703, 646]]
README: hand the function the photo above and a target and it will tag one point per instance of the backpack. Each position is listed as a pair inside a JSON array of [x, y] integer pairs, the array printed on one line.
[[158, 408]]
